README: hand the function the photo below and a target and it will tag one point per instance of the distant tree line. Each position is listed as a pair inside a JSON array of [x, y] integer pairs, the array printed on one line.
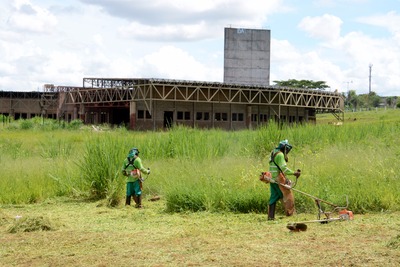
[[354, 101], [351, 99], [306, 84]]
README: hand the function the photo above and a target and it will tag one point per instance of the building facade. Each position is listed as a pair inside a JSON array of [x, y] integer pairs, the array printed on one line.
[[152, 104]]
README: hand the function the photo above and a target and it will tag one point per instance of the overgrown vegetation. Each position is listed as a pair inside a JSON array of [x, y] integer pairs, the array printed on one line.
[[206, 170]]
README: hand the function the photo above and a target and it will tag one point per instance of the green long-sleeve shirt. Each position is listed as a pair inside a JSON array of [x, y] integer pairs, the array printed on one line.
[[279, 158], [137, 164], [280, 161]]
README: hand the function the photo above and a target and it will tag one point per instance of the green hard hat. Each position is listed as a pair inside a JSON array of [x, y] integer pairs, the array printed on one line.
[[133, 152], [285, 144]]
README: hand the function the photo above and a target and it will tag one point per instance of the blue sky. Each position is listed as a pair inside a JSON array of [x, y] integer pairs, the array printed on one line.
[[61, 42]]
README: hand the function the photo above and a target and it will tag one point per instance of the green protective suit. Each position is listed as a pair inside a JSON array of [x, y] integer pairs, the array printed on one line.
[[133, 183], [279, 158]]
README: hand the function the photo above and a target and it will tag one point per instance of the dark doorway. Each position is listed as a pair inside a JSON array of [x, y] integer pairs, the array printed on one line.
[[120, 116], [168, 119]]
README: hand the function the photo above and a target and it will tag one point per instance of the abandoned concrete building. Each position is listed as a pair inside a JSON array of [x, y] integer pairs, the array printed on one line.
[[244, 100]]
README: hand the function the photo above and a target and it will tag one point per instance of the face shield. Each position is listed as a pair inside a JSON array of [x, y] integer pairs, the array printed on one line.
[[288, 148], [284, 146]]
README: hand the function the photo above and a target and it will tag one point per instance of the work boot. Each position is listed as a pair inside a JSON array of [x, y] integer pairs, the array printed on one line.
[[138, 201], [271, 212], [128, 201]]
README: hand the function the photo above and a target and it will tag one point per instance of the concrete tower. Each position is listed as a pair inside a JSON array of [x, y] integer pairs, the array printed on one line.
[[247, 56]]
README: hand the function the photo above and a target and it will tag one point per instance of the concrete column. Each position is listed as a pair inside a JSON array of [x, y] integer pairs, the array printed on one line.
[[75, 113], [306, 115], [96, 117], [230, 117], [132, 115], [153, 115], [82, 112], [212, 116], [248, 117]]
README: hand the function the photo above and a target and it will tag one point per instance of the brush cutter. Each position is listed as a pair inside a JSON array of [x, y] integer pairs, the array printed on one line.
[[142, 179], [344, 214]]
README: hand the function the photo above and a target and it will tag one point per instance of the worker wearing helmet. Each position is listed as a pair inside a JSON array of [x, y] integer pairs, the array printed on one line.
[[279, 171], [132, 169]]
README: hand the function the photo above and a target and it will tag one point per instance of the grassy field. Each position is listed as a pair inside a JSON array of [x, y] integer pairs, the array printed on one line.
[[61, 201]]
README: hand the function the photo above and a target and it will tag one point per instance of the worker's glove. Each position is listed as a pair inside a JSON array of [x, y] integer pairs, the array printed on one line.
[[297, 174], [148, 170]]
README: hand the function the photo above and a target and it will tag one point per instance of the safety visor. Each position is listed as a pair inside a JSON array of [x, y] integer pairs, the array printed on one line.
[[288, 148]]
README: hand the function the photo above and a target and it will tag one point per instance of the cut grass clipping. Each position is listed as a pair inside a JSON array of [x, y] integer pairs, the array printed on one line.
[[31, 224], [394, 242]]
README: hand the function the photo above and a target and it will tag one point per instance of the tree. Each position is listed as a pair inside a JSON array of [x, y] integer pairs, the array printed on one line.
[[373, 99], [352, 100], [389, 101], [370, 100], [306, 84]]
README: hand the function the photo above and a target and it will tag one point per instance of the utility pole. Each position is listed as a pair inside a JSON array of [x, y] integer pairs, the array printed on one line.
[[370, 71], [348, 85]]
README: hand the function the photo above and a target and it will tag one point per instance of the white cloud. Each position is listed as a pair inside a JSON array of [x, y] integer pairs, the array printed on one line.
[[7, 69], [390, 21], [334, 3], [325, 27], [33, 18], [173, 63], [177, 20], [171, 33], [339, 59], [289, 63]]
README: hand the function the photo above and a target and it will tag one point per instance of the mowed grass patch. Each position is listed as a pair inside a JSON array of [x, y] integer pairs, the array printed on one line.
[[90, 234]]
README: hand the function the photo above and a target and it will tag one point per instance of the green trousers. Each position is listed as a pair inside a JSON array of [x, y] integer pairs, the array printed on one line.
[[276, 193]]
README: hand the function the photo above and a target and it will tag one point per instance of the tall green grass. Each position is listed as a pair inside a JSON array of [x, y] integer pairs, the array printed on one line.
[[213, 170], [28, 159], [100, 167]]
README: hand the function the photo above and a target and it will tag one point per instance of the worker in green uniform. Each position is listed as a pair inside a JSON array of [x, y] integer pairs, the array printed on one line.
[[132, 168], [279, 172]]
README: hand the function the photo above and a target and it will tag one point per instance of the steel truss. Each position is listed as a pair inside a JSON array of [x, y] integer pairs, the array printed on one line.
[[45, 100], [102, 90]]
